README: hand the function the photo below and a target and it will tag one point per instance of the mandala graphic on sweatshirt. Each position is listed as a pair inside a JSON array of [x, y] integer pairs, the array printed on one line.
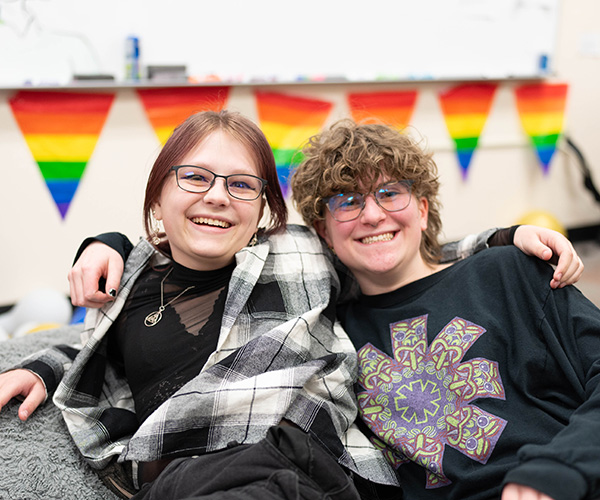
[[419, 402]]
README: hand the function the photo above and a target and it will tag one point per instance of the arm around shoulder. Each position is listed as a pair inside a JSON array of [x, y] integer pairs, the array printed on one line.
[[543, 243], [549, 245], [96, 274]]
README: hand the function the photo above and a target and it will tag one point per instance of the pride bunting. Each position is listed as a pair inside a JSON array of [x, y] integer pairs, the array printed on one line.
[[541, 109], [168, 107], [466, 108], [61, 130], [288, 122], [392, 108]]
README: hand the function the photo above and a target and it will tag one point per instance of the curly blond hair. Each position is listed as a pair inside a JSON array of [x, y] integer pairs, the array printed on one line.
[[350, 157]]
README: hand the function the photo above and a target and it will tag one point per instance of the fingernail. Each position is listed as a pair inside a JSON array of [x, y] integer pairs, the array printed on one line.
[[112, 292]]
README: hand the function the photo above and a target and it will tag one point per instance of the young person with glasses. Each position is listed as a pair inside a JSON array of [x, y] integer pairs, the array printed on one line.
[[217, 368], [286, 272], [476, 380]]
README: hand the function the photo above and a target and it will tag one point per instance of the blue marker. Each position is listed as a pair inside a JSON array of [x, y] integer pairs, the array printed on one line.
[[544, 63], [132, 58]]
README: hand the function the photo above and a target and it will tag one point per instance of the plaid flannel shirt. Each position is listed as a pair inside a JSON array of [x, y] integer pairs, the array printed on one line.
[[278, 356]]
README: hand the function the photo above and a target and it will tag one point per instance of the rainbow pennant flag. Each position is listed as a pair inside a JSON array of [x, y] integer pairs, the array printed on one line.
[[168, 107], [61, 130], [541, 109], [288, 122], [392, 108], [466, 108]]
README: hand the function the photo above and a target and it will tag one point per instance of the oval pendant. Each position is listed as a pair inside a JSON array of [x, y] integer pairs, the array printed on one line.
[[153, 318]]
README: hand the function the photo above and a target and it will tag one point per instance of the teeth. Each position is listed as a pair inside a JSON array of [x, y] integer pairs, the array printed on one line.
[[374, 239], [210, 222]]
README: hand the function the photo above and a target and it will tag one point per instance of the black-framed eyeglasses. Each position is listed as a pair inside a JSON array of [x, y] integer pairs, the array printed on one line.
[[391, 196], [195, 179]]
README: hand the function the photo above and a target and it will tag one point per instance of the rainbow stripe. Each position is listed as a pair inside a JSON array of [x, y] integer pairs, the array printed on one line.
[[168, 107], [541, 109], [288, 122], [392, 108], [466, 108], [61, 130]]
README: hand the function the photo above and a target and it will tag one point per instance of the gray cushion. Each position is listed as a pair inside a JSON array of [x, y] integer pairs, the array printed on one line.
[[38, 457]]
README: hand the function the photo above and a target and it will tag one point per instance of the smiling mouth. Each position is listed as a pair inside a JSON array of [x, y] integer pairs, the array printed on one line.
[[376, 239], [203, 221]]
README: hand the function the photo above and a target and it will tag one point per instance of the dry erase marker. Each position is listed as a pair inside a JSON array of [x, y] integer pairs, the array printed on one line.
[[132, 58]]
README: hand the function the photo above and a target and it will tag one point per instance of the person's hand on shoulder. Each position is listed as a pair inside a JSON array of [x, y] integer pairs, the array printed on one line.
[[513, 491], [98, 261], [22, 383], [550, 245]]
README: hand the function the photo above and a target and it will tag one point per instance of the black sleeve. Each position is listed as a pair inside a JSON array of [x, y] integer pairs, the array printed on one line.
[[503, 237], [116, 241]]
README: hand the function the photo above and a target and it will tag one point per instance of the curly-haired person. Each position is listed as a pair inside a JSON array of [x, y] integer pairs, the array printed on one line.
[[476, 380]]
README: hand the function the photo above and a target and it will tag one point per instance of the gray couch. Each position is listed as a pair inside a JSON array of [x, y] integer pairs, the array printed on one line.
[[38, 458]]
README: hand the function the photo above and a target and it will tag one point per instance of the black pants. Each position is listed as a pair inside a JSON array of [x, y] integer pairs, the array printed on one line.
[[374, 491], [286, 465]]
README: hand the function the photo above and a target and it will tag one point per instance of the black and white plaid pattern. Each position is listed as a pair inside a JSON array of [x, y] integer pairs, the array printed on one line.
[[279, 355], [277, 358]]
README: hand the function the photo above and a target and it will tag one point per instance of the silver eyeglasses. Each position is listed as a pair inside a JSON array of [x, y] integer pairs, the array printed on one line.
[[199, 180], [391, 196]]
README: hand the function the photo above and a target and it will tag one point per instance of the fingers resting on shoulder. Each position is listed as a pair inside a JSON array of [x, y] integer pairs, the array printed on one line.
[[552, 246], [98, 261]]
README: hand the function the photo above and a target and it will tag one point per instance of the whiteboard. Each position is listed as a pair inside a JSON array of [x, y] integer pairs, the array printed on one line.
[[46, 42]]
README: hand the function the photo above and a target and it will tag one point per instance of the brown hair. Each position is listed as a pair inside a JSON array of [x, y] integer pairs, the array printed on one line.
[[352, 157], [192, 132]]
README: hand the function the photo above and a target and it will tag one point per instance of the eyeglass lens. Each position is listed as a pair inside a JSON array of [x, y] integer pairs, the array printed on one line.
[[392, 197], [199, 180]]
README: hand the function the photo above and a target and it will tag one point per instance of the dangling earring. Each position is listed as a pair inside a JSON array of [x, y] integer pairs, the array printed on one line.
[[154, 237], [253, 240]]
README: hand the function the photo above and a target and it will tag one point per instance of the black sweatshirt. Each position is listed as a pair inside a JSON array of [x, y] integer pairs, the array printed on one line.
[[485, 375]]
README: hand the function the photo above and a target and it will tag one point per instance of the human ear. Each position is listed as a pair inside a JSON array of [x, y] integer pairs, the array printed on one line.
[[423, 212], [157, 211], [321, 229]]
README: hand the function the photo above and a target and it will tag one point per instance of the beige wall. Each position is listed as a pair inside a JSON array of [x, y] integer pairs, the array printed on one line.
[[505, 180]]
